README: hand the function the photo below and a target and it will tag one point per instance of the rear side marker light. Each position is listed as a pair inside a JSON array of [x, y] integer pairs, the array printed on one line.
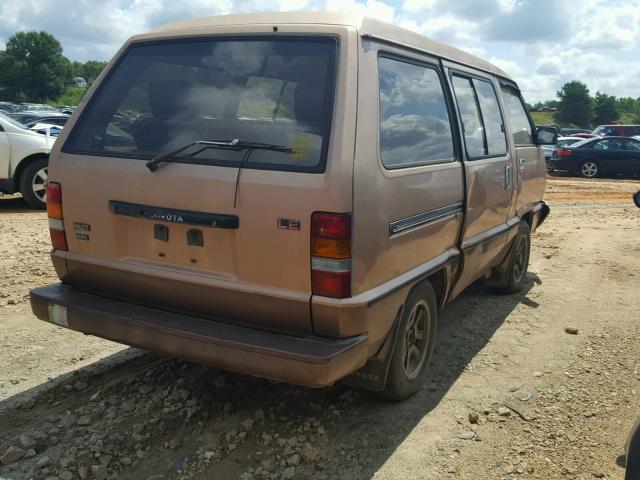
[[331, 254], [54, 212]]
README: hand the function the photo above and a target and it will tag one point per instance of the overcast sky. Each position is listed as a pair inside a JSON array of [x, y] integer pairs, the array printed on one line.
[[541, 43]]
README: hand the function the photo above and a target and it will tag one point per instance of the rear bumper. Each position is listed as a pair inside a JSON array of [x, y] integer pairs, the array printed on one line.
[[540, 214], [309, 360]]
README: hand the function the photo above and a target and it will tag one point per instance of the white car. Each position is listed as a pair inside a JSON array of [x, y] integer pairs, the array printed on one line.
[[24, 158], [561, 142], [46, 128]]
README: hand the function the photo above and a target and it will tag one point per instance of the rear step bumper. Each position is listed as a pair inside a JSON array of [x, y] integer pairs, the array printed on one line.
[[310, 361]]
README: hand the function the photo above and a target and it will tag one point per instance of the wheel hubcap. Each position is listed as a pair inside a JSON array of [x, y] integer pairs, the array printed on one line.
[[589, 169], [39, 184], [416, 339], [520, 259]]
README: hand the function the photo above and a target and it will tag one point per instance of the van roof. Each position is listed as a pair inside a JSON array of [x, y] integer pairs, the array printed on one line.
[[366, 27]]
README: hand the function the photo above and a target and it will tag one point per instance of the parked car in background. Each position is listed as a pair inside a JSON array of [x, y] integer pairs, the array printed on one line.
[[57, 120], [584, 135], [312, 247], [572, 131], [30, 117], [8, 107], [35, 107], [562, 142], [47, 129], [67, 110], [617, 130], [24, 157], [599, 156]]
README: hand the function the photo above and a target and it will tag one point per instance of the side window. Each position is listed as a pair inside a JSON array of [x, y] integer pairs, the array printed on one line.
[[517, 117], [414, 120], [481, 118], [493, 123], [633, 146], [474, 136]]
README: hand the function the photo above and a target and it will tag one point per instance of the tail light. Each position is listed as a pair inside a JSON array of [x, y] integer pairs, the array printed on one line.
[[54, 212], [564, 152], [331, 254]]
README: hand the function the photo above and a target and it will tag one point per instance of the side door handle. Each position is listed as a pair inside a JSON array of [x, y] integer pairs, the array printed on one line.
[[507, 177]]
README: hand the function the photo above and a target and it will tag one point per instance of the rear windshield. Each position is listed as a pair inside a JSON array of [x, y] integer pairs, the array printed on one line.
[[162, 96]]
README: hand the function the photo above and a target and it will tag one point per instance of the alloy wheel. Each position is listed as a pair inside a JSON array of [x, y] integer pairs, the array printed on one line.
[[416, 339], [589, 169], [520, 259], [39, 184]]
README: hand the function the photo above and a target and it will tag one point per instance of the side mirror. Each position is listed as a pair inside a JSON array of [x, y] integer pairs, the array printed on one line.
[[636, 198], [546, 136]]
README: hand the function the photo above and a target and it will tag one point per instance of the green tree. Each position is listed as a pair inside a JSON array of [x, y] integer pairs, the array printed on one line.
[[605, 109], [33, 67], [575, 106], [91, 70]]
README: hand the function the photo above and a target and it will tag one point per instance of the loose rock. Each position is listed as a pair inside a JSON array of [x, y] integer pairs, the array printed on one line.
[[12, 455], [504, 412]]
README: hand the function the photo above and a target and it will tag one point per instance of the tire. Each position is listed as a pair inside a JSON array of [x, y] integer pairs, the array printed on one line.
[[33, 183], [516, 272], [590, 169], [419, 314]]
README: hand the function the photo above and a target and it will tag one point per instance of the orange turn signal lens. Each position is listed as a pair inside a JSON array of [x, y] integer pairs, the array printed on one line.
[[54, 200], [54, 210], [331, 248]]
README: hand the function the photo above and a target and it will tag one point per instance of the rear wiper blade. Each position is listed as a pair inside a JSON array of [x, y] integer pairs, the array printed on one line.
[[235, 144]]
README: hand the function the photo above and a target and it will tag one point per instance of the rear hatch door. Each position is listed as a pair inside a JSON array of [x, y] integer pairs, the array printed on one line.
[[215, 230]]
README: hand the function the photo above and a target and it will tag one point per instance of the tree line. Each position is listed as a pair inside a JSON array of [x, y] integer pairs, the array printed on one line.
[[34, 69], [575, 107]]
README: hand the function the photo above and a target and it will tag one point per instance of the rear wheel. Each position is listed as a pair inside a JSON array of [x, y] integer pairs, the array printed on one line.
[[514, 277], [33, 183], [589, 169], [414, 343]]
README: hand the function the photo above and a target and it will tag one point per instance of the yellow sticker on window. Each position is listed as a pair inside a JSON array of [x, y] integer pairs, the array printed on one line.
[[301, 146]]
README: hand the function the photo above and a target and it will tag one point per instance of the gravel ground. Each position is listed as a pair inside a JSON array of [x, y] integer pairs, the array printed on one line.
[[543, 384]]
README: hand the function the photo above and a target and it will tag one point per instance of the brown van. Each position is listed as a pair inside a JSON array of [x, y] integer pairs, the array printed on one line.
[[291, 196]]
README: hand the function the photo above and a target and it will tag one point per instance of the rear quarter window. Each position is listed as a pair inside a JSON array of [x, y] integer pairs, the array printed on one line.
[[415, 128]]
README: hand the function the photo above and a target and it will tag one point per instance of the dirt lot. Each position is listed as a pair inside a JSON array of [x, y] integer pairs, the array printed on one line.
[[510, 394]]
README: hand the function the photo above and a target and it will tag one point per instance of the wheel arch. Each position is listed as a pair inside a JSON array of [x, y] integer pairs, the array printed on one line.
[[528, 218]]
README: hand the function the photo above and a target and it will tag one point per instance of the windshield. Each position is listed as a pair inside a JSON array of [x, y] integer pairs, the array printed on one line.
[[12, 121], [164, 95]]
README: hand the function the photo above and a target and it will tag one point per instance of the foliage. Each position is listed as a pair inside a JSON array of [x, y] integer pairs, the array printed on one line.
[[33, 68], [88, 70], [605, 109], [543, 118], [575, 105], [70, 97]]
